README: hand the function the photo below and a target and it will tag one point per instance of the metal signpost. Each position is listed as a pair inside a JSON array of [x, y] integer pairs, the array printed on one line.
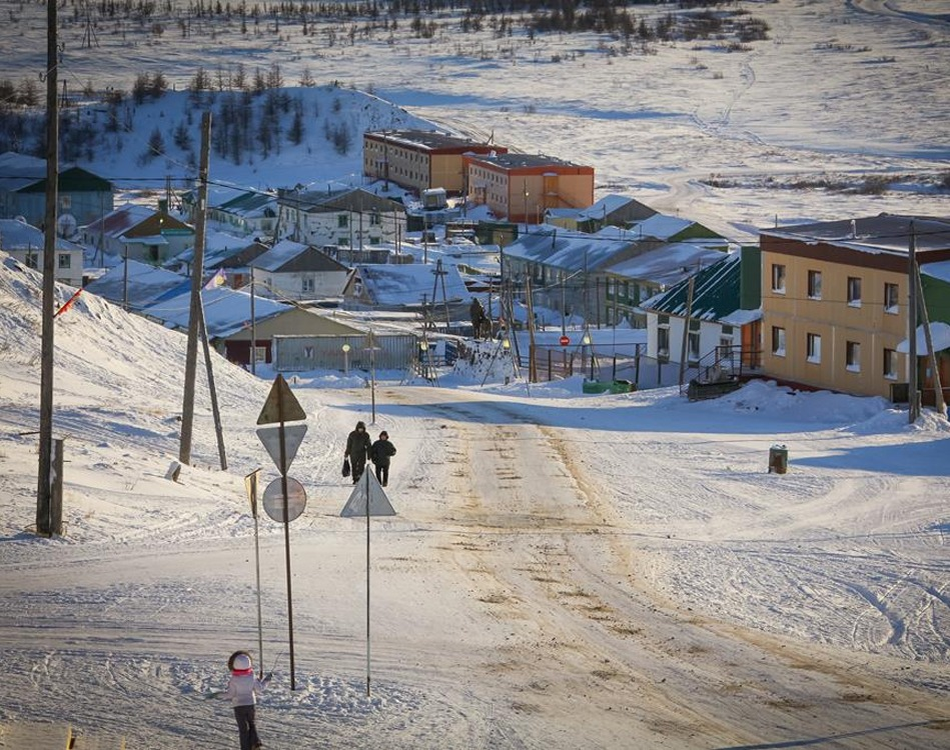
[[280, 503], [367, 499], [250, 485]]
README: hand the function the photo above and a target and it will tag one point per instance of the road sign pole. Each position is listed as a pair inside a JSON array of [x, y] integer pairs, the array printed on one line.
[[283, 487], [282, 405], [250, 483], [367, 585]]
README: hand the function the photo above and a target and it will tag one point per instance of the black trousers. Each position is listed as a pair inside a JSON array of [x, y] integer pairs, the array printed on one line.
[[357, 466], [247, 728], [382, 474]]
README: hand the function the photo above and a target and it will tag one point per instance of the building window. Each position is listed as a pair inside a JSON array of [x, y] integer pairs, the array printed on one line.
[[374, 219], [260, 353], [308, 352], [814, 284], [663, 336], [852, 353], [891, 303], [308, 285], [692, 341], [726, 340], [342, 221], [778, 278], [813, 348], [66, 202], [65, 261], [890, 364], [854, 291], [778, 341]]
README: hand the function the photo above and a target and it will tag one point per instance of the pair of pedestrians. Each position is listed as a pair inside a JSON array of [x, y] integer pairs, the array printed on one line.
[[360, 447]]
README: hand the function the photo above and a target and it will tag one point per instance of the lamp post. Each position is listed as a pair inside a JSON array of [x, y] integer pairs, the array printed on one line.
[[346, 359], [424, 354], [586, 342]]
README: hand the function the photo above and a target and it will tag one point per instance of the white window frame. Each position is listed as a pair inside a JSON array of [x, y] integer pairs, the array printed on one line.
[[890, 364], [892, 309], [813, 290], [854, 291], [813, 348], [778, 341], [852, 356], [778, 278]]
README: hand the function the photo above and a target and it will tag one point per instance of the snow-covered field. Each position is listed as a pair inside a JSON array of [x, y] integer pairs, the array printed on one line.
[[564, 570], [843, 91]]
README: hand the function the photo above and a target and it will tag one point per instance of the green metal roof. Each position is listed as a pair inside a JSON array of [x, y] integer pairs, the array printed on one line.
[[716, 292]]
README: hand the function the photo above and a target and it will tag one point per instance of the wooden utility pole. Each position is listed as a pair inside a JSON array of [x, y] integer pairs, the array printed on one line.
[[913, 403], [532, 365], [939, 404], [44, 493], [689, 311], [215, 411], [197, 270]]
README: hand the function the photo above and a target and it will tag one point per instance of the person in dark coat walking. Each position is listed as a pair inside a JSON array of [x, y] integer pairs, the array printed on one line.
[[380, 453], [357, 450]]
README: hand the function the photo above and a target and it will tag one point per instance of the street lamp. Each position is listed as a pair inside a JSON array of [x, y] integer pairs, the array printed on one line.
[[346, 359], [586, 342], [423, 355]]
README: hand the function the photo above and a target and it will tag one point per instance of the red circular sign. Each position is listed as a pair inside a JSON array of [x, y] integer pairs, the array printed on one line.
[[565, 340]]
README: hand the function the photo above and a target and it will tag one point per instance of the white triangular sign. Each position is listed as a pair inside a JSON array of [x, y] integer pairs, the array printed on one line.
[[379, 504], [293, 437]]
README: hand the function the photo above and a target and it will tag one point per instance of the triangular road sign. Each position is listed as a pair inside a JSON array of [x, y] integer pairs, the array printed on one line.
[[293, 436], [281, 405], [379, 504]]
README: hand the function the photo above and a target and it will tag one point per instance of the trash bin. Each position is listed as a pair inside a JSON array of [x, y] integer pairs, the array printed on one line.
[[778, 459]]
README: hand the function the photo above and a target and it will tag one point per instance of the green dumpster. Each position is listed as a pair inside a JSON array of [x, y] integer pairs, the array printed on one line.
[[778, 459]]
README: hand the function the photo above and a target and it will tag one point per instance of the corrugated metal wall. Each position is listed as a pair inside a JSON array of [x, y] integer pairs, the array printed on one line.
[[303, 353]]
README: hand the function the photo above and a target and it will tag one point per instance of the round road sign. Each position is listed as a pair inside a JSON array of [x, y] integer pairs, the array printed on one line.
[[274, 500], [565, 340]]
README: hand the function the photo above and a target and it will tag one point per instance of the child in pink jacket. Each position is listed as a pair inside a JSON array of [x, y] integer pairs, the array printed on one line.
[[243, 690]]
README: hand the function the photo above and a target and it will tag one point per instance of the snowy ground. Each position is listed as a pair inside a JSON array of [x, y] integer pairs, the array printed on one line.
[[565, 570]]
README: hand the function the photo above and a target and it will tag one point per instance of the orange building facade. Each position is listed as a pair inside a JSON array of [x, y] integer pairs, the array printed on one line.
[[521, 187]]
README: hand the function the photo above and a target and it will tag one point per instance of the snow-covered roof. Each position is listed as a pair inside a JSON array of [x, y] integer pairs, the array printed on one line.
[[568, 250], [121, 220], [661, 226], [939, 270], [145, 284], [939, 333], [20, 170], [887, 233], [409, 284], [227, 311], [668, 264], [281, 253], [741, 317], [606, 205], [18, 235]]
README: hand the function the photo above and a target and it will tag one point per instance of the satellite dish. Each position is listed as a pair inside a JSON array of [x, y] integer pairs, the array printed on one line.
[[66, 225]]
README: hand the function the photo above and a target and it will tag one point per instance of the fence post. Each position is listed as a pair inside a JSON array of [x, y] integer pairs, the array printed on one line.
[[550, 364]]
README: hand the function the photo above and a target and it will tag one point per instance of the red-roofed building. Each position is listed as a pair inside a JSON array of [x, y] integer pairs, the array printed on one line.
[[139, 233]]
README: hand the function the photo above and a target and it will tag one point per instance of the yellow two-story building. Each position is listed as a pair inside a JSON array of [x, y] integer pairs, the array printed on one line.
[[835, 300]]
